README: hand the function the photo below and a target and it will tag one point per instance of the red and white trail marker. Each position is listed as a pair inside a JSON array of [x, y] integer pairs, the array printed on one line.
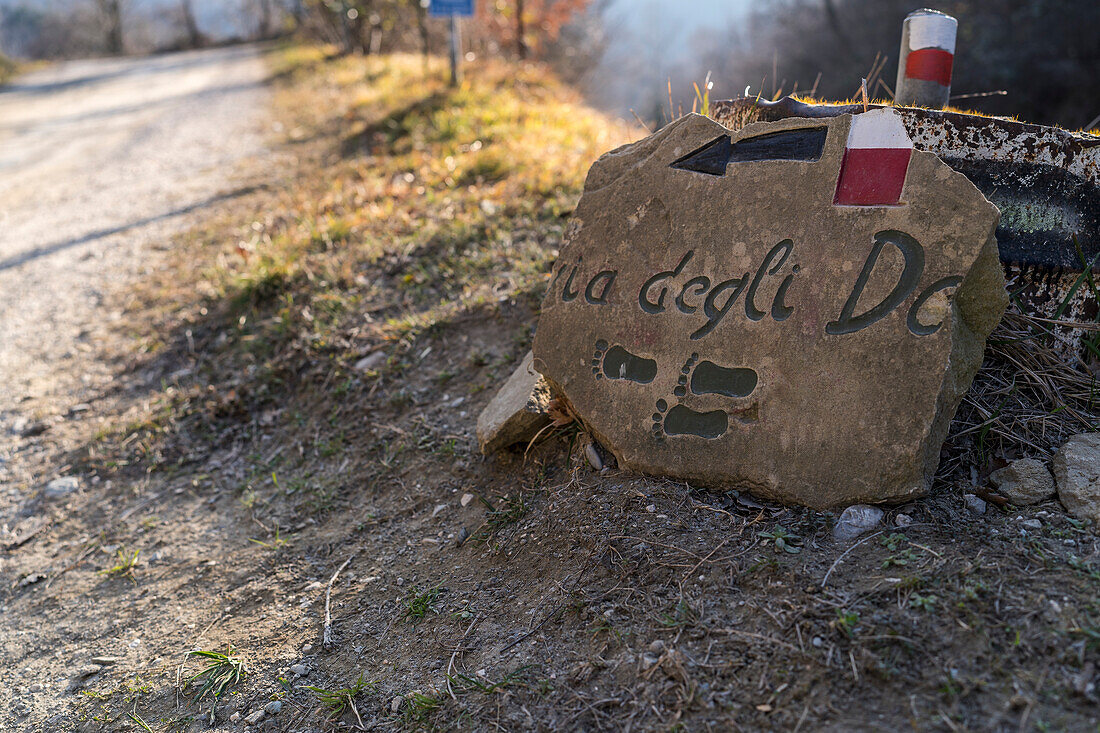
[[876, 159], [926, 59]]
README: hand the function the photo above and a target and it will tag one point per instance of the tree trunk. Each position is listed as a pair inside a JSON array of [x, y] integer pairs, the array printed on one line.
[[112, 15], [265, 19], [422, 27], [194, 37], [521, 41]]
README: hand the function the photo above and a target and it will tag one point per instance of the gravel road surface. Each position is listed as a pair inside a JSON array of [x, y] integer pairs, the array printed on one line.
[[100, 161]]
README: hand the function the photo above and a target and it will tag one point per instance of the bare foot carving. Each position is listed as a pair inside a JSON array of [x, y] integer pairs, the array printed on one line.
[[706, 377], [681, 420], [618, 363]]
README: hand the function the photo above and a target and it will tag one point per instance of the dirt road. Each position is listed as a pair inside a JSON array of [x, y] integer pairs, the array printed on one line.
[[99, 161]]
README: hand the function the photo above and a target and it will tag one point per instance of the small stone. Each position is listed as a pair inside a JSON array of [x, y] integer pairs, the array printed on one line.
[[903, 520], [593, 457], [59, 488], [817, 642], [517, 412], [299, 670], [104, 660], [34, 429], [657, 646], [88, 670], [234, 718], [466, 499], [438, 508], [307, 648], [395, 704], [1077, 471], [1032, 524], [651, 508], [975, 503], [35, 688], [463, 535], [370, 362], [273, 707], [1024, 481], [648, 660], [255, 717], [856, 520]]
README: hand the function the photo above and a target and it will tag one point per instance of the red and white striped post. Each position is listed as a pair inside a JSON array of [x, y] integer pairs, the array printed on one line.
[[876, 159], [927, 55]]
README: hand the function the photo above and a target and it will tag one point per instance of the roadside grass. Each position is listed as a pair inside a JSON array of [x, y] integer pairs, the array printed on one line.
[[414, 206], [222, 671], [8, 69], [125, 564], [419, 603], [337, 701]]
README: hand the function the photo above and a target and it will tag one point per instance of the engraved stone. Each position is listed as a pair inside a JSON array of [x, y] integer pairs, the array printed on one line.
[[732, 309]]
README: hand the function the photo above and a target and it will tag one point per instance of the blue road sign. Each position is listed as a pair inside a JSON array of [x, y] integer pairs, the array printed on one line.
[[447, 8]]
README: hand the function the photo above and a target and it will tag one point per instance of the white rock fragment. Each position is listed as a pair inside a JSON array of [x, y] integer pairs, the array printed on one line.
[[593, 457], [59, 488], [856, 520], [1024, 481], [370, 362], [975, 503], [1077, 472]]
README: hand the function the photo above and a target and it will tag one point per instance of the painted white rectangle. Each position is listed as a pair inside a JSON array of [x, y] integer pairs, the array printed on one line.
[[879, 128], [933, 31]]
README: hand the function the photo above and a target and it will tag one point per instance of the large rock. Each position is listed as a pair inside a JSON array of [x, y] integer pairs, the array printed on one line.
[[1077, 473], [717, 316], [517, 412], [1024, 481]]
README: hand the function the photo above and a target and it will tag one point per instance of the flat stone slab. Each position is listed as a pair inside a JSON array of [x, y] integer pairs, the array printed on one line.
[[517, 412], [795, 308]]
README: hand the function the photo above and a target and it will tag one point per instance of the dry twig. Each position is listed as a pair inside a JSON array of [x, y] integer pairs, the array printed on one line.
[[326, 637]]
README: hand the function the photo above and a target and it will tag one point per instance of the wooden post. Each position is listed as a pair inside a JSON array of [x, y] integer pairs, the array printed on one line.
[[456, 47], [926, 57]]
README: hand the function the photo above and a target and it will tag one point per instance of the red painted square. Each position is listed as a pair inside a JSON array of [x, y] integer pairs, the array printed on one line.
[[872, 176], [930, 64]]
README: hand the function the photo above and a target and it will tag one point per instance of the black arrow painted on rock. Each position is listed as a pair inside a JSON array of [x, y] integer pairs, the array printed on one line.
[[804, 144]]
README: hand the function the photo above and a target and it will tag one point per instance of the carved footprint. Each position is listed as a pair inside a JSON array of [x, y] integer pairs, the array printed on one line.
[[706, 377], [618, 363], [681, 420]]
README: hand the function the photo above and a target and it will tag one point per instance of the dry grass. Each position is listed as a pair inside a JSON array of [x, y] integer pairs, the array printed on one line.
[[1026, 400]]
